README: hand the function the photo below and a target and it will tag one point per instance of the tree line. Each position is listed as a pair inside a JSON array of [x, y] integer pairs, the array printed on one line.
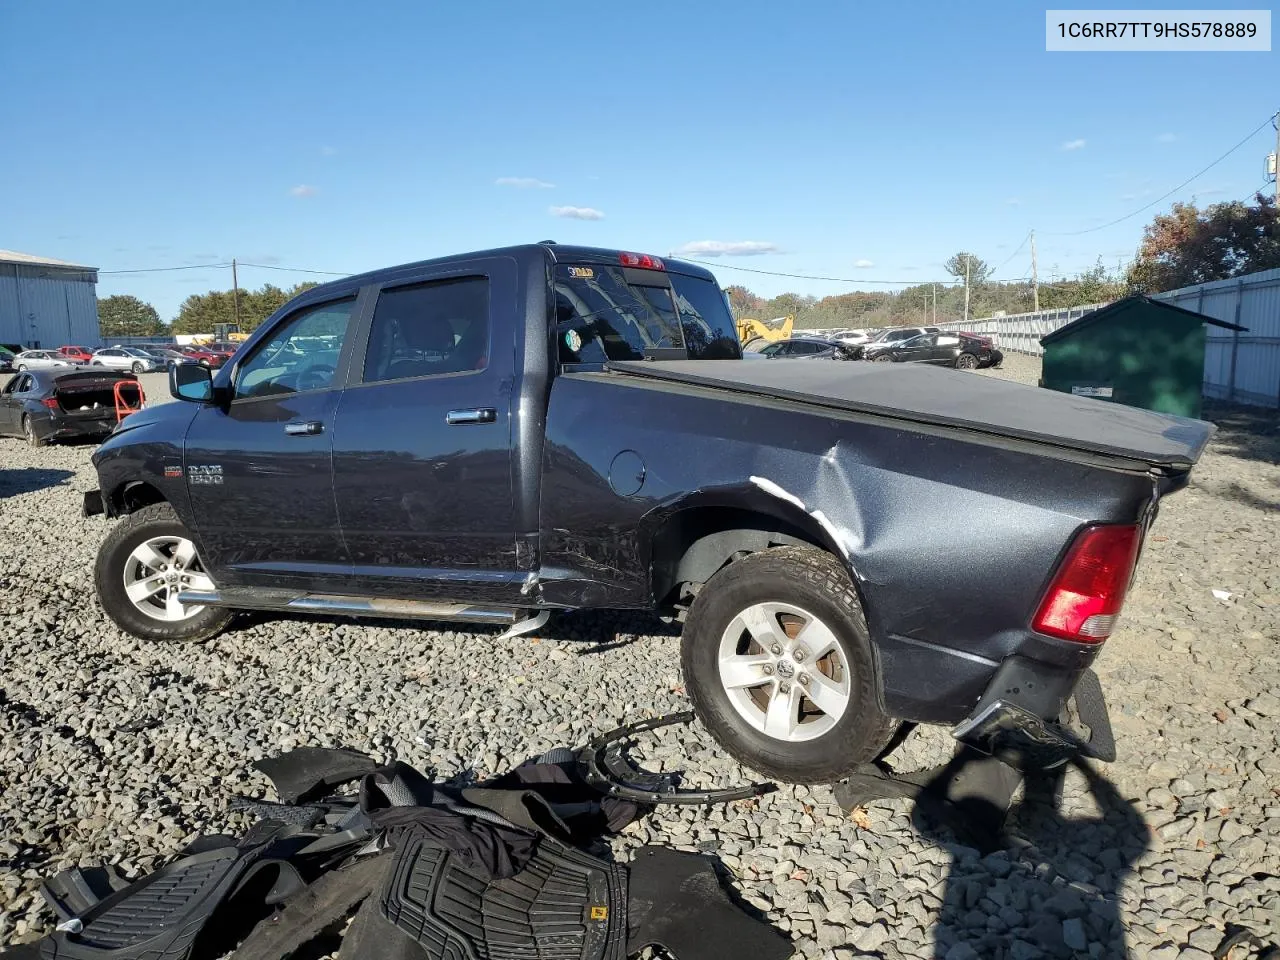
[[1180, 248]]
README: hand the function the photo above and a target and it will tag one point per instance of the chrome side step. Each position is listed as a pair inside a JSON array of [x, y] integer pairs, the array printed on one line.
[[354, 606]]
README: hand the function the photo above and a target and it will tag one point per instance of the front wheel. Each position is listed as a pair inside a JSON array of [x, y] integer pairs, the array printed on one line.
[[138, 368], [882, 359], [966, 361], [22, 368], [777, 661], [143, 566]]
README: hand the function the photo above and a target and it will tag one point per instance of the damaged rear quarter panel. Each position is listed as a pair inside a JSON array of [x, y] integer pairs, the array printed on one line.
[[949, 539]]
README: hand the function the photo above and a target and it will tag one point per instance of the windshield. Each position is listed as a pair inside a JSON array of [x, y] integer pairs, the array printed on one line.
[[610, 313]]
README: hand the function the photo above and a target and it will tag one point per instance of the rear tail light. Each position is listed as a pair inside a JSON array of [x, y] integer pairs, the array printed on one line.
[[50, 402], [1083, 602], [641, 260]]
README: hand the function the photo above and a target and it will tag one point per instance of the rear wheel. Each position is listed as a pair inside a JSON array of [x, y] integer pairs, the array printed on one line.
[[29, 431], [966, 361], [884, 358], [778, 663], [138, 367], [143, 565], [22, 368]]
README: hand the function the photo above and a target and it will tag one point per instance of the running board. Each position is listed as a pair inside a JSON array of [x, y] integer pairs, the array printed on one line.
[[352, 606]]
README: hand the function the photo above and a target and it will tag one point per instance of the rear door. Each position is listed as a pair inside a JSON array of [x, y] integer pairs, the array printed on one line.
[[259, 469], [422, 438]]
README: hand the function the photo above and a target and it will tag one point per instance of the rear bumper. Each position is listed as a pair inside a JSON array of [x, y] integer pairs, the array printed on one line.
[[65, 428], [1022, 716]]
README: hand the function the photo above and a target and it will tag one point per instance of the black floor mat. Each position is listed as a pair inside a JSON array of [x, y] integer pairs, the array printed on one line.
[[676, 901]]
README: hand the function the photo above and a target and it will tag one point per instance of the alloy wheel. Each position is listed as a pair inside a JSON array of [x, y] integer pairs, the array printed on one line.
[[157, 571]]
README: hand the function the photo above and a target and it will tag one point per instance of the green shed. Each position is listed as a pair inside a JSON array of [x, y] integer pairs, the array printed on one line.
[[1137, 351]]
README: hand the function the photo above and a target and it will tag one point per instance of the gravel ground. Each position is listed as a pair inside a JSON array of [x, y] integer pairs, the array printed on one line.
[[116, 750]]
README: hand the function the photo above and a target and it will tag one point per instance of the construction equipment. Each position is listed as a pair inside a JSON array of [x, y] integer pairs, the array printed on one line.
[[760, 332]]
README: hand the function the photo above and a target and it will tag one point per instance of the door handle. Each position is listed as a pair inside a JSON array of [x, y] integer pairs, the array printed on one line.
[[308, 429], [478, 415]]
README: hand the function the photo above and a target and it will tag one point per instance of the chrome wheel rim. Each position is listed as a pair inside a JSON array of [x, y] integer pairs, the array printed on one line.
[[157, 571], [784, 672], [966, 363]]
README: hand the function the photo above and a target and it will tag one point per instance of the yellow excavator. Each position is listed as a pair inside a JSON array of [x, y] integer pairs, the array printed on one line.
[[759, 332]]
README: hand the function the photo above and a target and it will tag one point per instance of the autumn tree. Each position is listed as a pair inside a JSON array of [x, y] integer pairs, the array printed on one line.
[[968, 267], [1187, 245], [201, 311]]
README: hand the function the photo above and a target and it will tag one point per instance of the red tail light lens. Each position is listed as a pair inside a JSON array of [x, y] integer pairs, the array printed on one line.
[[1086, 595], [641, 260], [50, 402]]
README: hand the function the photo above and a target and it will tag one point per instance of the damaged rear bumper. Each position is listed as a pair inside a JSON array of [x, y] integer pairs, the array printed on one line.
[[1035, 717]]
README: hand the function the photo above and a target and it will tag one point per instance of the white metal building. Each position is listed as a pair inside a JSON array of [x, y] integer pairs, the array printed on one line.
[[47, 303]]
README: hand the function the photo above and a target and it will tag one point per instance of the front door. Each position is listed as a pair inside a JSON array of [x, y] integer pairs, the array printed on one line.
[[10, 405], [422, 440], [917, 349], [259, 469]]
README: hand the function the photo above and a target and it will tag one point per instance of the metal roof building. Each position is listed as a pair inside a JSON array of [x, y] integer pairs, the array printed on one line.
[[46, 302]]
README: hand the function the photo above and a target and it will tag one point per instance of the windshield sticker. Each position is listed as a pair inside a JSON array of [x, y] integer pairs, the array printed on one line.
[[573, 340], [582, 273]]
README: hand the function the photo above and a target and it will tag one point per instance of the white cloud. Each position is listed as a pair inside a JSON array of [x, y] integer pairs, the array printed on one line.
[[1210, 192], [523, 183], [576, 213], [726, 248], [1073, 145], [1013, 202], [863, 264], [303, 190], [328, 151], [1167, 138]]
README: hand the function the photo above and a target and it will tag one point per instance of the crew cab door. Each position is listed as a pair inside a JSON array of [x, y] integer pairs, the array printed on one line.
[[422, 439], [259, 469]]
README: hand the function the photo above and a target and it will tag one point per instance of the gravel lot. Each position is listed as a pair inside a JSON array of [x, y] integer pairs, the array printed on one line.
[[120, 751]]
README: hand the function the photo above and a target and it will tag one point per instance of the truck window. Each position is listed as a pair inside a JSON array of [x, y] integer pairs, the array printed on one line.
[[709, 332], [429, 329], [300, 354], [612, 319]]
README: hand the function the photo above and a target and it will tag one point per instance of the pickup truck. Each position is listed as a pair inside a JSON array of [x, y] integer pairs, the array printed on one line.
[[495, 436]]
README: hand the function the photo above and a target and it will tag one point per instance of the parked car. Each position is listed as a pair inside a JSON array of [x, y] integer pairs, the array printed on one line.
[[892, 335], [7, 360], [42, 360], [204, 356], [45, 405], [852, 337], [167, 355], [809, 348], [941, 349], [420, 442], [76, 354], [126, 358]]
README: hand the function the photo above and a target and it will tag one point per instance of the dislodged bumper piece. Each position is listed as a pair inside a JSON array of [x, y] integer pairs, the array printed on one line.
[[93, 503], [1020, 718]]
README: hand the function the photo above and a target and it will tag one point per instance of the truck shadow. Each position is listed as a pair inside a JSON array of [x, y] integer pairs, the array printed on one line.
[[1247, 433], [1048, 885], [30, 479]]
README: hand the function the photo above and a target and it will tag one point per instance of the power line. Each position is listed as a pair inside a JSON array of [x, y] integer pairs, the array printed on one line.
[[268, 266], [195, 266], [810, 276], [1128, 216], [1014, 254]]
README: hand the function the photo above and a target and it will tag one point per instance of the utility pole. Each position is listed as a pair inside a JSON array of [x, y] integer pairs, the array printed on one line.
[[968, 262], [935, 303], [1275, 157], [1035, 279], [235, 292]]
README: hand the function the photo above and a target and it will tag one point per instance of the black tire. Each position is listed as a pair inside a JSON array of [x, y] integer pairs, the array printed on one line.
[[29, 432], [22, 368], [157, 520], [883, 358], [816, 581], [138, 367], [966, 361]]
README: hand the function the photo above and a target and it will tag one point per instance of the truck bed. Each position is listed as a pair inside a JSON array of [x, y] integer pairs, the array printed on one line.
[[929, 395]]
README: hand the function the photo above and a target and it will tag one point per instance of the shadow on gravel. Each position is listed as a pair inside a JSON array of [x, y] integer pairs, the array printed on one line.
[[1249, 433], [30, 479], [1036, 901]]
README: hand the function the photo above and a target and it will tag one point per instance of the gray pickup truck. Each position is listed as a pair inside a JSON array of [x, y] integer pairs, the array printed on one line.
[[496, 436]]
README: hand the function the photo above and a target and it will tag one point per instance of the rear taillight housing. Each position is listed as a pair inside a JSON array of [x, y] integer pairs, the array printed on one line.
[[642, 261], [50, 402], [1083, 602]]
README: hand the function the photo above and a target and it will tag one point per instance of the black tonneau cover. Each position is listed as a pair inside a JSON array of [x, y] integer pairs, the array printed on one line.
[[923, 394]]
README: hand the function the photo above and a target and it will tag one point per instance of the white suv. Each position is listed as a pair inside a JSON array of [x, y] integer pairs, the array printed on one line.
[[126, 358]]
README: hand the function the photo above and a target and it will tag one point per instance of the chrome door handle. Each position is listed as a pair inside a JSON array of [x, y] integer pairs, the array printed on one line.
[[308, 429], [478, 415]]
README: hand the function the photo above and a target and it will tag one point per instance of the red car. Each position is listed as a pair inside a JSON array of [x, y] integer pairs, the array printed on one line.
[[75, 354], [204, 356]]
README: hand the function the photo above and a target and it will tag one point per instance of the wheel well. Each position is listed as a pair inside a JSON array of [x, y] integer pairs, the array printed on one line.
[[132, 497], [692, 545]]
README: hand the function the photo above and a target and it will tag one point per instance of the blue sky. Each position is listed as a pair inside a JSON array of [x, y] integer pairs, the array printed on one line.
[[842, 139]]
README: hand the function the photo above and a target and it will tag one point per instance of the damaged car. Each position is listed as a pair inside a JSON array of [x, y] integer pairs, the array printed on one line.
[[492, 437], [47, 405]]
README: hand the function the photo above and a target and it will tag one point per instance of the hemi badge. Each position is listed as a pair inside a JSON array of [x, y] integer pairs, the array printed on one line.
[[175, 472]]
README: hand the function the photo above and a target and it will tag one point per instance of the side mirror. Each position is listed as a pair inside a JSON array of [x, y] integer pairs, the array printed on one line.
[[191, 381]]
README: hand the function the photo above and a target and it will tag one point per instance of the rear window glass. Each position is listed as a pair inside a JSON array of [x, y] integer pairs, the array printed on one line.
[[610, 319], [709, 332]]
